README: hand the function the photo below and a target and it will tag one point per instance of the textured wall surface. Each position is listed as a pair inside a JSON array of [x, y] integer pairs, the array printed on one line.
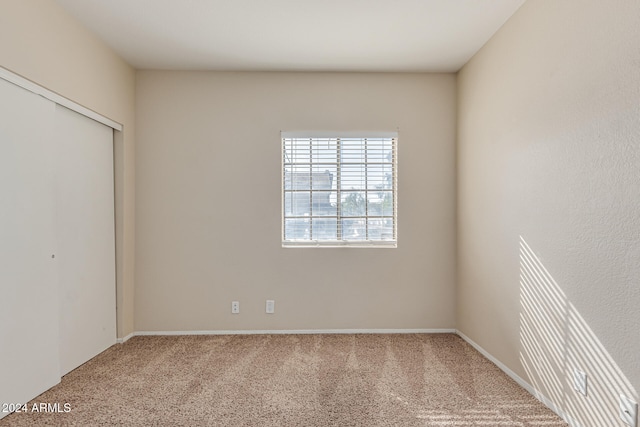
[[41, 42], [549, 200], [209, 203]]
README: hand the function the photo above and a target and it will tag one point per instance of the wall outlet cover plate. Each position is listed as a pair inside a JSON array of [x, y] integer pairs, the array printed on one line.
[[580, 381], [270, 306], [628, 411]]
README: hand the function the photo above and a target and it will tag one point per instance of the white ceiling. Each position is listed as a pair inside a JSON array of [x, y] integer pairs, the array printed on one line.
[[295, 35]]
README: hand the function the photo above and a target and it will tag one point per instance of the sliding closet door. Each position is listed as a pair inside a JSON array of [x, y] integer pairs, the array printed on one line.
[[85, 237], [28, 285]]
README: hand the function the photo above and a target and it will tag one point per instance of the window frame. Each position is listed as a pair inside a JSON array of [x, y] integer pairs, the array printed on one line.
[[346, 243]]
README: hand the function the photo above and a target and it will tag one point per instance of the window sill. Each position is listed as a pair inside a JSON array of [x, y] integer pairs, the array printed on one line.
[[388, 244]]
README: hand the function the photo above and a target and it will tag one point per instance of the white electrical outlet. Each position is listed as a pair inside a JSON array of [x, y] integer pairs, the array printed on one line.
[[580, 381], [628, 411], [271, 306], [235, 307]]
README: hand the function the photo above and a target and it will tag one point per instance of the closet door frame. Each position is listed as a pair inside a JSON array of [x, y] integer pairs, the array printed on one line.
[[30, 338]]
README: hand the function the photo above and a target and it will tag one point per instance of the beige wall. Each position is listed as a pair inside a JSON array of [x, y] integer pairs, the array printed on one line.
[[549, 192], [208, 204], [41, 42]]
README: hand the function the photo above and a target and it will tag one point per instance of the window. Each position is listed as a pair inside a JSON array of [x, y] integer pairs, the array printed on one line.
[[339, 190]]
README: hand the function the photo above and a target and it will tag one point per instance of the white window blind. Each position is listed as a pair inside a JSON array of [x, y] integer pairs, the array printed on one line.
[[339, 190]]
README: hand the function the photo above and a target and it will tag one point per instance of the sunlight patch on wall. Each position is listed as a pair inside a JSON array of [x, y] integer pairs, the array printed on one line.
[[555, 340]]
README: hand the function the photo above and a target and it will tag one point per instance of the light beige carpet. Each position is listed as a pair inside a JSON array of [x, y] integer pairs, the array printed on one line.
[[290, 380]]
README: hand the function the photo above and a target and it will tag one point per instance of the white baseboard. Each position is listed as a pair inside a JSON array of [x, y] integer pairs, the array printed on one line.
[[125, 339], [536, 393], [300, 332]]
